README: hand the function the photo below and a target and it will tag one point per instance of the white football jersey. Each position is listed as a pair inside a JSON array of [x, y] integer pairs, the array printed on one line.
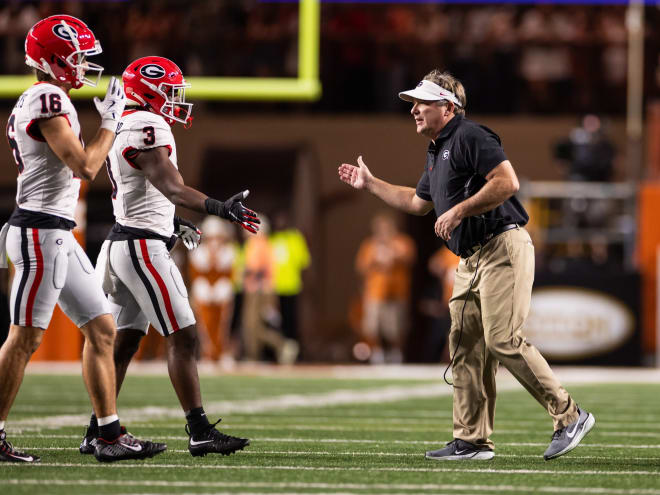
[[45, 183], [135, 200]]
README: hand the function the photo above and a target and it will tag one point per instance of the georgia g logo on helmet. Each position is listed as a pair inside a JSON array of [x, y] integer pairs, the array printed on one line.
[[64, 32], [152, 71]]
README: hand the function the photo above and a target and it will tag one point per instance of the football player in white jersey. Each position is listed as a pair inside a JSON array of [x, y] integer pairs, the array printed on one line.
[[142, 282], [44, 135]]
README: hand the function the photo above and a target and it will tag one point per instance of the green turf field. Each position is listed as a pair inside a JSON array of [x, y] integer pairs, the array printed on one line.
[[323, 435]]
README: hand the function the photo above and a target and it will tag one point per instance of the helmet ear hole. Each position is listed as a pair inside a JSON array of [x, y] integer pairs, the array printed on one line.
[[60, 63], [147, 95]]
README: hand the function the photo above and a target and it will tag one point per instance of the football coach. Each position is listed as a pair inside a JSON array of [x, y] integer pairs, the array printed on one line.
[[470, 183]]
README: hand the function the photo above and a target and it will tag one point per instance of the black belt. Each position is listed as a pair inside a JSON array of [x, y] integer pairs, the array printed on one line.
[[39, 220], [500, 230], [122, 233]]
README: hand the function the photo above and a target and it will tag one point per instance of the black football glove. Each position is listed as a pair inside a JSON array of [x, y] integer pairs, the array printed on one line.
[[187, 232], [234, 211]]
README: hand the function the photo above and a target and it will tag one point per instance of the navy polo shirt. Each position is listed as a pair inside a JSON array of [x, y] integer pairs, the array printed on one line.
[[466, 151]]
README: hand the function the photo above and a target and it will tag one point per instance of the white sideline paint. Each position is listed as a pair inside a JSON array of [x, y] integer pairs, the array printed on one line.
[[127, 465], [281, 493], [573, 375], [423, 429], [349, 440], [366, 454], [341, 486]]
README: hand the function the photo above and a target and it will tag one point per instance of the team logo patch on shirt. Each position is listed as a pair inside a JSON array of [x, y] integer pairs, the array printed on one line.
[[445, 154]]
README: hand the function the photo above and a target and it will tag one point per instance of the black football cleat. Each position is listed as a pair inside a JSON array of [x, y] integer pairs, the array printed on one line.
[[126, 447], [89, 441], [214, 442], [88, 444], [9, 454]]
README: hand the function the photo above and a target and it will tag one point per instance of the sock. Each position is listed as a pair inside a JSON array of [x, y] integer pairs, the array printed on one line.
[[109, 428], [93, 427], [197, 420], [2, 425]]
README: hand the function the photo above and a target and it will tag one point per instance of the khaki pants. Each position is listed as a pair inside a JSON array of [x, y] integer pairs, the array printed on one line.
[[494, 315]]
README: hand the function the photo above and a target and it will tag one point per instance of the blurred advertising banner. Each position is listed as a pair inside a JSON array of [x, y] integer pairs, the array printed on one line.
[[586, 317]]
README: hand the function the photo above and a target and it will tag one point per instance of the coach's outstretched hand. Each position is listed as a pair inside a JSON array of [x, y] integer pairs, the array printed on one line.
[[234, 211], [358, 177]]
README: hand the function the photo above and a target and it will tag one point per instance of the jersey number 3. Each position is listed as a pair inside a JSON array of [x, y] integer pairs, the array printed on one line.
[[151, 135]]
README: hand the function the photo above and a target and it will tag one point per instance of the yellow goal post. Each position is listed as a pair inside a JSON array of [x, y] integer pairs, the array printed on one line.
[[305, 87]]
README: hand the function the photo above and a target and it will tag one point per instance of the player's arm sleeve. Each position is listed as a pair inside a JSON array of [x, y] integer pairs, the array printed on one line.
[[483, 151], [46, 102]]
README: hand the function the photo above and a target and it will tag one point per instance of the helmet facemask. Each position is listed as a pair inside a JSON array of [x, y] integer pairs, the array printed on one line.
[[175, 106], [83, 68], [77, 60]]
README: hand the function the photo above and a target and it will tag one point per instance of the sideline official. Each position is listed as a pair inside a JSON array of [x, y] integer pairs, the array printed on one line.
[[470, 183]]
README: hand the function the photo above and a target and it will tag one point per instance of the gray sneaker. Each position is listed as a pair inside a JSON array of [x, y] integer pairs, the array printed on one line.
[[459, 450], [567, 438]]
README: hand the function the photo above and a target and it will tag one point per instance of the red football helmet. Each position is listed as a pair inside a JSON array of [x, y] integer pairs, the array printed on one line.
[[58, 45], [157, 84]]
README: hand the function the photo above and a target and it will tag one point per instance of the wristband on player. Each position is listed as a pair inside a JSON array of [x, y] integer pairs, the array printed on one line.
[[234, 211]]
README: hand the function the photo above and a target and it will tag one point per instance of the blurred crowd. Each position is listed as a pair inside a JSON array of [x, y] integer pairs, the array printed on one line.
[[511, 58], [388, 302]]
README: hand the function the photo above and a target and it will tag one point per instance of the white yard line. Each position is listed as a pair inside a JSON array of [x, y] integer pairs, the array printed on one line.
[[422, 429], [594, 472], [284, 493], [361, 453], [573, 375], [365, 441], [341, 486], [439, 419]]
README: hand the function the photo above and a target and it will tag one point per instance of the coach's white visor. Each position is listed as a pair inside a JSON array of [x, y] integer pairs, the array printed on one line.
[[429, 91]]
